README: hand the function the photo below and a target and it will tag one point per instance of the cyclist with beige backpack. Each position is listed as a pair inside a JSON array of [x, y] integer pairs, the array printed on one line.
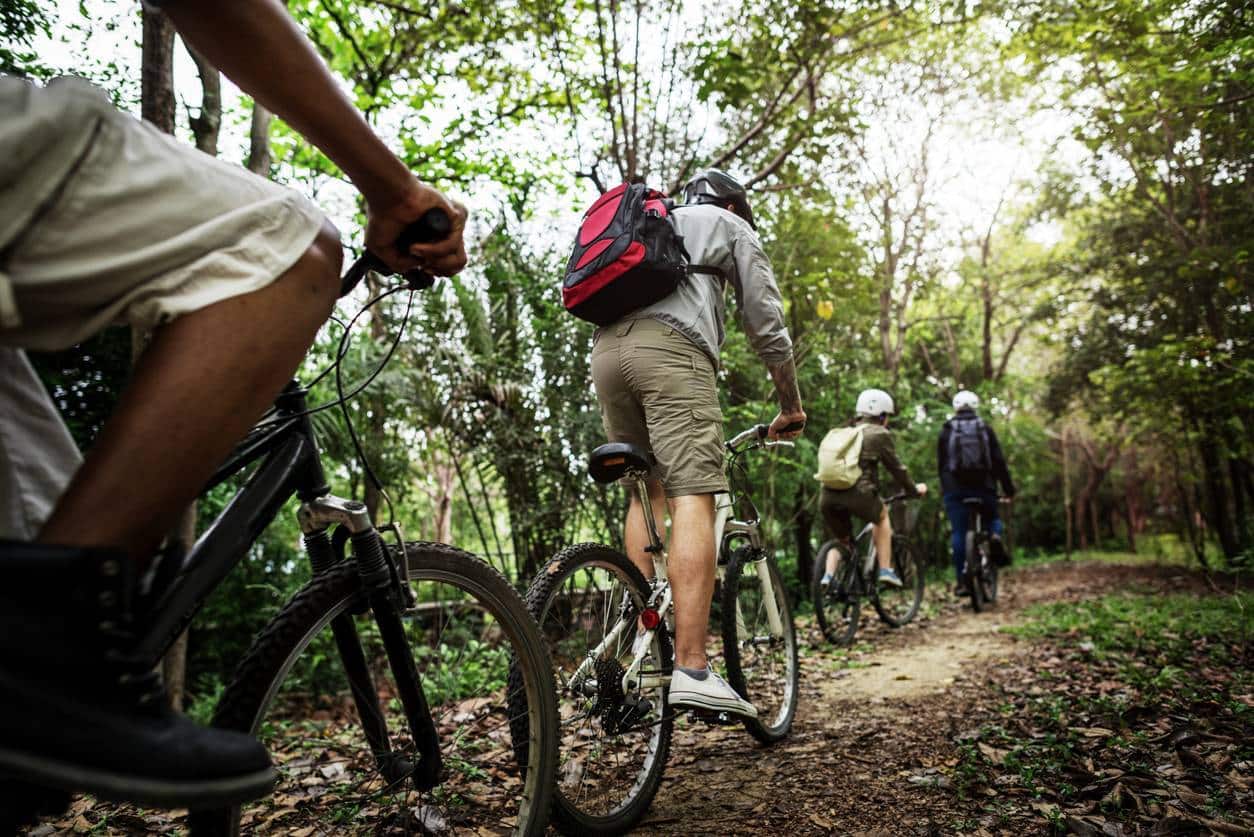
[[849, 459]]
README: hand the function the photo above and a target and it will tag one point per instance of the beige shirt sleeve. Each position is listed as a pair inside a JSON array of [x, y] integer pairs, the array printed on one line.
[[758, 301]]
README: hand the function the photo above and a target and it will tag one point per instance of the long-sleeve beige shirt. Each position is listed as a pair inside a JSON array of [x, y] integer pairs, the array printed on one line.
[[717, 238]]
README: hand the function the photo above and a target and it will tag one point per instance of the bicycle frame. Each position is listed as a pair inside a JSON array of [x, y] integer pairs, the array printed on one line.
[[292, 466], [728, 531]]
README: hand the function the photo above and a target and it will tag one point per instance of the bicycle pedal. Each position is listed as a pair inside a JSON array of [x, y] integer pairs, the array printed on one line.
[[715, 719]]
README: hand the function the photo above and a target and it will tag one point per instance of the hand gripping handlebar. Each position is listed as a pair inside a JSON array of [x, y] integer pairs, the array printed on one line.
[[432, 226]]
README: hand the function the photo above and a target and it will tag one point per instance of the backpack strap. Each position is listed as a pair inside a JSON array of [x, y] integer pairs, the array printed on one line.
[[703, 268], [708, 270]]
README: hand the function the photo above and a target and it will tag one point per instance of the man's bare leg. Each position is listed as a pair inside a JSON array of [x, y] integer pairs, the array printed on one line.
[[691, 571], [636, 532], [204, 380], [882, 532]]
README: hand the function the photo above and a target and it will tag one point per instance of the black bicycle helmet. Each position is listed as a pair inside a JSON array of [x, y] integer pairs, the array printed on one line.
[[714, 186]]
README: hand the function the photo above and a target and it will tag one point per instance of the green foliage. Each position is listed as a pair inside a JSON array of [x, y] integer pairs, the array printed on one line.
[[21, 22]]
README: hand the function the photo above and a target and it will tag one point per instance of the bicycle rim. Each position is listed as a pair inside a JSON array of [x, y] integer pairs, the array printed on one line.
[[760, 642], [896, 606], [613, 743], [468, 629]]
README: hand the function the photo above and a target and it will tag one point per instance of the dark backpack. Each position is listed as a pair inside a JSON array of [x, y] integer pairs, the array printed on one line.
[[969, 454], [627, 255]]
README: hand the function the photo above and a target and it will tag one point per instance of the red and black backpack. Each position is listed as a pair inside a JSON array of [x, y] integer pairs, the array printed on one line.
[[627, 255]]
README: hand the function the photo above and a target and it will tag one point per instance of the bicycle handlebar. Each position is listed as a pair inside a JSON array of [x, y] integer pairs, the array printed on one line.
[[432, 226], [758, 434], [897, 498]]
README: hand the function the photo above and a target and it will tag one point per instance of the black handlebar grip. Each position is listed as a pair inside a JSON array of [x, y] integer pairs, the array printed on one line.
[[434, 225]]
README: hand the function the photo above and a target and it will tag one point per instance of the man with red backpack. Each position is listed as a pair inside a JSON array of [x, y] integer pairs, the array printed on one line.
[[655, 369], [971, 464]]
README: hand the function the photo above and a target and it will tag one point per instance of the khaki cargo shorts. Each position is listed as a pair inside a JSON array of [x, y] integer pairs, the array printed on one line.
[[658, 390], [104, 219], [117, 222]]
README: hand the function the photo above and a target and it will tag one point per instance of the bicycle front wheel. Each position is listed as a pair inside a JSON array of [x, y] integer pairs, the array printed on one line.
[[497, 732], [615, 733], [896, 606], [836, 606], [760, 642]]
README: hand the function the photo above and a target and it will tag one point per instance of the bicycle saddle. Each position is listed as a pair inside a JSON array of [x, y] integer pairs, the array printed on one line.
[[613, 461]]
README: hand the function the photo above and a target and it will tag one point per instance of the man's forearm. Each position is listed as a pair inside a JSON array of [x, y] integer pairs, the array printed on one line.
[[260, 48], [785, 377]]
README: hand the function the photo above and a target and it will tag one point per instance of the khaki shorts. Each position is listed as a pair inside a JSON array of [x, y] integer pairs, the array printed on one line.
[[104, 219], [658, 390], [136, 227]]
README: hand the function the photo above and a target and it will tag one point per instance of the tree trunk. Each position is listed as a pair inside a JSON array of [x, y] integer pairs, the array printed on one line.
[[1132, 498], [1066, 485], [259, 159], [157, 107], [156, 74], [804, 520], [207, 124], [1240, 524], [1216, 496]]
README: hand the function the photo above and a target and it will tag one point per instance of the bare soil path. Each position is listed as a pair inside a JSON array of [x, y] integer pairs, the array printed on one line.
[[875, 731]]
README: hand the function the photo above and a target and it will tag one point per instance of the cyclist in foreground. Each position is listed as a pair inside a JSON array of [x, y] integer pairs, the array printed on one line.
[[971, 465], [104, 220], [873, 409], [655, 372]]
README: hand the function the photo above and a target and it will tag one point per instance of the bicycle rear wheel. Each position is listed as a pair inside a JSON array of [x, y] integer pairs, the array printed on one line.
[[991, 580], [498, 741], [974, 572], [836, 608], [614, 742], [760, 642], [896, 606]]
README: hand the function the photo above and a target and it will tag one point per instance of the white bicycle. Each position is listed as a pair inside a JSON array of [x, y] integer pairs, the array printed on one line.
[[609, 634]]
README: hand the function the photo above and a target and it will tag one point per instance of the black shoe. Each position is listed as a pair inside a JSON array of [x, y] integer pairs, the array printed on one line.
[[78, 714], [961, 590]]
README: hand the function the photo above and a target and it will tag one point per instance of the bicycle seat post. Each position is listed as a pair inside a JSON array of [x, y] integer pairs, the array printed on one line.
[[655, 546]]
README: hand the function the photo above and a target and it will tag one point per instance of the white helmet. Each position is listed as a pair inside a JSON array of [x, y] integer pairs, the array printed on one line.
[[966, 400], [874, 402]]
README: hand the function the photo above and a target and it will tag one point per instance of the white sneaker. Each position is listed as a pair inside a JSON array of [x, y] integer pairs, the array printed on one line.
[[713, 694]]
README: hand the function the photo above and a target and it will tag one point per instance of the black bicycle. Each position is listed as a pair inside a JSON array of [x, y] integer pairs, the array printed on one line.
[[980, 573], [471, 723], [838, 605]]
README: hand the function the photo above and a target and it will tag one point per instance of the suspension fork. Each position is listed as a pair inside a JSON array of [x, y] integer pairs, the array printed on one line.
[[379, 582]]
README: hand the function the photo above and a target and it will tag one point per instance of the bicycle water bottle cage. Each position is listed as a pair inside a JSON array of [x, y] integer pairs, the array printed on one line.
[[616, 460]]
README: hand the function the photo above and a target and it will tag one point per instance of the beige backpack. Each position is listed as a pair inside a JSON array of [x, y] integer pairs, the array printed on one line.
[[838, 457]]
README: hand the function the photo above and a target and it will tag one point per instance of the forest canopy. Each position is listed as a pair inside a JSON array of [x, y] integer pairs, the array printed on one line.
[[1048, 203]]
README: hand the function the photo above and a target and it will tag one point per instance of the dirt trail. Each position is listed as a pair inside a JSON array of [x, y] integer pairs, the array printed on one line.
[[872, 728]]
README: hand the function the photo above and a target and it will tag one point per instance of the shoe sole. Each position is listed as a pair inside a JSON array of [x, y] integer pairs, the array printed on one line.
[[143, 790], [692, 700]]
